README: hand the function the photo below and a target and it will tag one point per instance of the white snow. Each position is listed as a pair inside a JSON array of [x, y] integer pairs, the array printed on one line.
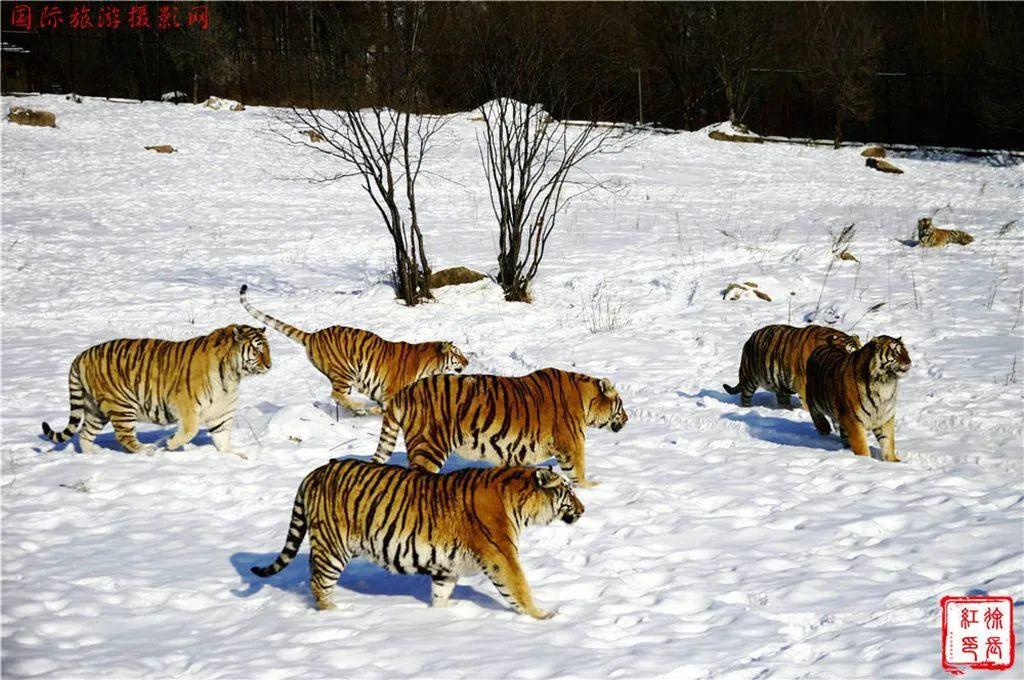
[[723, 541]]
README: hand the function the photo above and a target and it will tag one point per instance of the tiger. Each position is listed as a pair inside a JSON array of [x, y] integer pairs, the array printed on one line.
[[857, 391], [775, 358], [503, 420], [929, 236], [355, 359], [188, 382], [410, 521]]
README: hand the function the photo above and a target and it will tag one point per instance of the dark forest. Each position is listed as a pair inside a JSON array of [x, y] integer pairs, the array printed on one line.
[[939, 73]]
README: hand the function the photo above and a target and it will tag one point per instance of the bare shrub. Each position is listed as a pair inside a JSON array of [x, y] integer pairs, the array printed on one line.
[[605, 311]]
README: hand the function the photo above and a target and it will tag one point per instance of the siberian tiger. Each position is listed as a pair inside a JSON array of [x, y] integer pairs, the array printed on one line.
[[190, 382], [929, 236], [411, 521], [508, 421], [354, 359], [775, 358], [857, 391]]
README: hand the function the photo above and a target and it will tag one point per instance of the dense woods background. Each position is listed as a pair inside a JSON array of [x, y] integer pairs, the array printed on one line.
[[930, 73]]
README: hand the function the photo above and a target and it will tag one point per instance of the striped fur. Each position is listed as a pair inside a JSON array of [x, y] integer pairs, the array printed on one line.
[[775, 358], [190, 382], [361, 361], [857, 391], [929, 236], [507, 421], [413, 522]]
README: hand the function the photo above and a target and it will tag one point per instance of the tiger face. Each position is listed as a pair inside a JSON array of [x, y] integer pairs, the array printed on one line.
[[924, 228], [556, 499], [452, 358], [607, 410], [890, 357], [253, 349]]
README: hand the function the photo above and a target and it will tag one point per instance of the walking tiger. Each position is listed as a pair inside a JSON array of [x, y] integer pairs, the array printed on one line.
[[775, 358], [857, 391], [354, 359], [190, 382], [508, 421], [410, 521]]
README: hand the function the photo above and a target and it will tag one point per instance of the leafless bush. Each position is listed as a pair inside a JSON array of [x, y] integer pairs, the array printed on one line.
[[383, 146], [605, 310], [530, 162], [384, 149], [530, 159]]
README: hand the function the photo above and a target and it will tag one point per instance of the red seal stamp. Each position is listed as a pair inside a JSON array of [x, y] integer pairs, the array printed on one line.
[[977, 633]]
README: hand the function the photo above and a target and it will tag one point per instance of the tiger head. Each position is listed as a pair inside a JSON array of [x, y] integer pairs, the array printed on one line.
[[253, 349], [450, 358], [605, 409], [889, 357], [551, 497], [924, 227]]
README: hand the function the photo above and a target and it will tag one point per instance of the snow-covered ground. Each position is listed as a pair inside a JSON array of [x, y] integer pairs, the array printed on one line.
[[723, 541]]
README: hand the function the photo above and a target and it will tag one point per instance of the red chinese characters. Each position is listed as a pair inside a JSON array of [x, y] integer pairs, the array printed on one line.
[[109, 15], [51, 17], [167, 17], [199, 15], [21, 17], [138, 16], [81, 17], [977, 633]]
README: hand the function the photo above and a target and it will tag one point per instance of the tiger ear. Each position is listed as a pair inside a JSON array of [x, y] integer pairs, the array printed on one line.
[[608, 388], [547, 478], [236, 334], [263, 330], [446, 347]]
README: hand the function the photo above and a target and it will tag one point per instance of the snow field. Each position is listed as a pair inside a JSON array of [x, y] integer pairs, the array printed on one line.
[[723, 541]]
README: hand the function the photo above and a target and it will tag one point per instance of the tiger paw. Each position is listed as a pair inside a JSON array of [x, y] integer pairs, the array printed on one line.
[[587, 483], [541, 614], [240, 454]]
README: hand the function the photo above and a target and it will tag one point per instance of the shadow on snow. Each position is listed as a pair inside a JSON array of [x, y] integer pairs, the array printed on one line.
[[107, 440], [360, 576]]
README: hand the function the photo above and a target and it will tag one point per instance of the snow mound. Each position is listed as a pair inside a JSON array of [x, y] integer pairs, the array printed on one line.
[[219, 104], [727, 128]]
